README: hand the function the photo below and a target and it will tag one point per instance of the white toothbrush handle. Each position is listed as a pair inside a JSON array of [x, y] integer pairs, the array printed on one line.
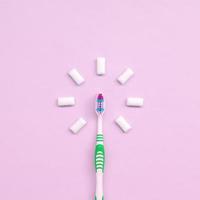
[[99, 165], [99, 186]]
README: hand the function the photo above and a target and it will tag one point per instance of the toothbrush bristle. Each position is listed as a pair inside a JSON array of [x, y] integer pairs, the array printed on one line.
[[100, 104]]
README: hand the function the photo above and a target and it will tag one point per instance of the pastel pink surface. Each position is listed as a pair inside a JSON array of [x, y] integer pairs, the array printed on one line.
[[41, 40]]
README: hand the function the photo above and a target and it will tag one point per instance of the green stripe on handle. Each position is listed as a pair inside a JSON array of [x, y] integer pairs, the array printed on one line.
[[96, 198], [99, 157], [99, 138]]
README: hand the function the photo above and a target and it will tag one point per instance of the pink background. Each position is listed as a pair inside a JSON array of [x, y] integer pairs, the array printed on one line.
[[40, 40]]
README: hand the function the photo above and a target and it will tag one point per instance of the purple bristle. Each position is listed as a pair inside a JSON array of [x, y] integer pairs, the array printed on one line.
[[100, 97]]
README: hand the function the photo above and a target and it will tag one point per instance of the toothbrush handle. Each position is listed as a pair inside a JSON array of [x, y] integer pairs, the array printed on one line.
[[99, 186], [99, 165]]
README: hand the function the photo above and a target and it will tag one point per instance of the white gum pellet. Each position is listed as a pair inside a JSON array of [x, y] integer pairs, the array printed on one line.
[[78, 125], [66, 101], [76, 76], [135, 101], [123, 124], [101, 66], [125, 76]]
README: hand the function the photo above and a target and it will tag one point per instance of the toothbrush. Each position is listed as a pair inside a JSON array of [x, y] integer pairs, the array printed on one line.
[[99, 150]]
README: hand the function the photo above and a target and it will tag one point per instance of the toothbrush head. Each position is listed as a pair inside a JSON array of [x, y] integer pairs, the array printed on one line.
[[100, 105]]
